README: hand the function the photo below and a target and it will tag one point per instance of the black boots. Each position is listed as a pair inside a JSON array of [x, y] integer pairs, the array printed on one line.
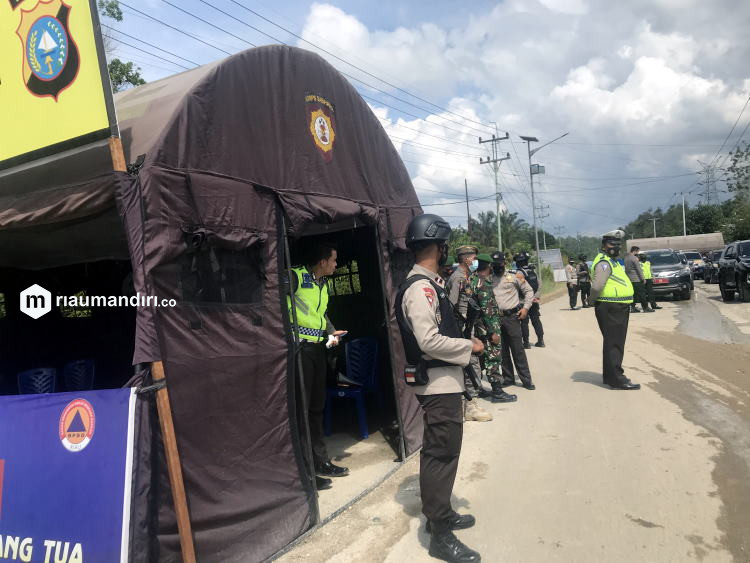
[[540, 343], [500, 396], [446, 546]]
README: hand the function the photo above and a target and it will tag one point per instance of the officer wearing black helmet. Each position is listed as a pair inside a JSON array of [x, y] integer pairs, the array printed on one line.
[[527, 271], [436, 353], [584, 280], [508, 287]]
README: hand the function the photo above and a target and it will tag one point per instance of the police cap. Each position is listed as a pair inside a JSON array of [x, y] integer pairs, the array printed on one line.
[[582, 257], [484, 258], [427, 228], [466, 249], [521, 257], [616, 235]]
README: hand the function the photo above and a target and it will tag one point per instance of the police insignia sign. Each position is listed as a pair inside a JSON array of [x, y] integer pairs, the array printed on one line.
[[53, 75], [320, 117]]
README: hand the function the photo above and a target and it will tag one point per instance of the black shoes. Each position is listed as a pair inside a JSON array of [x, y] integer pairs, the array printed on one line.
[[529, 386], [327, 469], [649, 311], [456, 522], [540, 344], [527, 345], [626, 385], [321, 483], [507, 382], [635, 310], [500, 396], [655, 307], [446, 546]]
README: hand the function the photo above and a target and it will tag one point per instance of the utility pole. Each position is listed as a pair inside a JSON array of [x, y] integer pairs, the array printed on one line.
[[578, 238], [684, 224], [468, 217], [654, 219], [559, 229], [495, 161], [536, 169], [541, 215], [709, 182]]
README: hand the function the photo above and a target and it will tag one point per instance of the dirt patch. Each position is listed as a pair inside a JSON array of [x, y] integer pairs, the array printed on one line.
[[642, 522]]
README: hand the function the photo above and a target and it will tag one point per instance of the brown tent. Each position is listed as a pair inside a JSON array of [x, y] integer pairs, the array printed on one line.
[[233, 163]]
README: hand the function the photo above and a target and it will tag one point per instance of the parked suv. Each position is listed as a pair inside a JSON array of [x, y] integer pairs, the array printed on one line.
[[695, 261], [711, 270], [734, 271], [671, 273]]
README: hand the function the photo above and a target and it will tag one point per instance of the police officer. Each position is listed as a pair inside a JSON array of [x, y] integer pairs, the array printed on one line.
[[524, 268], [508, 287], [649, 277], [310, 291], [571, 277], [459, 292], [584, 280], [612, 293], [435, 348]]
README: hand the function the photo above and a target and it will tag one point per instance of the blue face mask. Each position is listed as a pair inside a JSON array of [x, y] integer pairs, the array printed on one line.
[[474, 265]]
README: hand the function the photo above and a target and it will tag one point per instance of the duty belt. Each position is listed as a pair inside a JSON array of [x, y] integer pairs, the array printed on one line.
[[509, 312]]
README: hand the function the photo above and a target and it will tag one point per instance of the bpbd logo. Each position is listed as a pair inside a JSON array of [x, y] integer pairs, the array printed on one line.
[[77, 423]]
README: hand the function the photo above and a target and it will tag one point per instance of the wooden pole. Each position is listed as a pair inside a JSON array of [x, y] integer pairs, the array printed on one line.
[[173, 465], [165, 418]]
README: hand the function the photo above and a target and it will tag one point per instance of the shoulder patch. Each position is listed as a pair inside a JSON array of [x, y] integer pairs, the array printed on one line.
[[604, 266], [429, 294]]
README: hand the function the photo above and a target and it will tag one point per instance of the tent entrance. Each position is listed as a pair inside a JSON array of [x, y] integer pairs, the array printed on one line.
[[72, 330], [356, 304]]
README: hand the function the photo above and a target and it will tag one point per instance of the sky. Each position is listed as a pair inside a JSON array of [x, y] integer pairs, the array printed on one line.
[[646, 90]]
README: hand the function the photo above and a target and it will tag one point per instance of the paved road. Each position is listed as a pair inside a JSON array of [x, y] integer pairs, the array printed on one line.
[[577, 472]]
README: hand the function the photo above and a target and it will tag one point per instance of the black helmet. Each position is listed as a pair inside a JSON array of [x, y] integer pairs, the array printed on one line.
[[427, 228], [497, 257], [582, 257], [522, 258]]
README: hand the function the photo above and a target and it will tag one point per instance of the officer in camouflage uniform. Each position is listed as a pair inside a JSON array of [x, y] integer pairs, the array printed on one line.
[[488, 329]]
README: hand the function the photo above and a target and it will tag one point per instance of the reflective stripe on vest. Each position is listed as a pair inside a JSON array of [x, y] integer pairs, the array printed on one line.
[[618, 288], [311, 302], [646, 267]]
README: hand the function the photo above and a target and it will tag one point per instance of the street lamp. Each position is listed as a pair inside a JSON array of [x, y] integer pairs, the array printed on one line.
[[536, 169]]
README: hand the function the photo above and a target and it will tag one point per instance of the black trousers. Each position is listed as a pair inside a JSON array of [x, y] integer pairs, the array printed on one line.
[[511, 339], [650, 297], [533, 316], [314, 371], [573, 294], [613, 323], [639, 294], [438, 460], [585, 288]]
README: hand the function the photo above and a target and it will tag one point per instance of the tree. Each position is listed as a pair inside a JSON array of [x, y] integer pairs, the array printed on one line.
[[738, 179], [121, 74], [703, 219]]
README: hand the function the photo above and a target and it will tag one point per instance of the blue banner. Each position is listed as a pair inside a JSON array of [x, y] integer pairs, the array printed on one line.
[[65, 474]]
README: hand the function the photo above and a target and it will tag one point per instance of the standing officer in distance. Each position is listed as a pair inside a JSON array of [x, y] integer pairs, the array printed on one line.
[[507, 288], [635, 275], [584, 280], [459, 292], [436, 351], [612, 293], [572, 280], [522, 262], [649, 280]]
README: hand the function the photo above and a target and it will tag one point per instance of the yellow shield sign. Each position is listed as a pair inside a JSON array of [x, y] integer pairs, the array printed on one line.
[[54, 88]]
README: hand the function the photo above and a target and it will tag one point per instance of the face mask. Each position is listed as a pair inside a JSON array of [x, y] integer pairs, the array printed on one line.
[[613, 251], [498, 269], [473, 266]]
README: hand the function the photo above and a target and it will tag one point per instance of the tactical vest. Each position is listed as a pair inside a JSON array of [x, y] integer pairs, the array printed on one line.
[[311, 302], [618, 288], [531, 277], [447, 323], [646, 267]]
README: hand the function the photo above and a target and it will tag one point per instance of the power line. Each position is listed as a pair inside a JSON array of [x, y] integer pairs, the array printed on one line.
[[152, 54], [150, 45], [209, 23]]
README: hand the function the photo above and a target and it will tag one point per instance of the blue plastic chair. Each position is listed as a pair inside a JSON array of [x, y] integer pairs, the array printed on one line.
[[361, 367], [79, 375], [36, 381]]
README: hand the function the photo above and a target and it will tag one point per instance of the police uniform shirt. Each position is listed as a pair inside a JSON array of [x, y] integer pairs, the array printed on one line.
[[421, 311], [601, 274], [571, 274], [506, 289], [455, 287]]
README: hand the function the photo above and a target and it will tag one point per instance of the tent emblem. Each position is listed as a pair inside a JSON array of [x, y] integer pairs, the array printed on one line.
[[50, 56], [321, 124], [76, 427]]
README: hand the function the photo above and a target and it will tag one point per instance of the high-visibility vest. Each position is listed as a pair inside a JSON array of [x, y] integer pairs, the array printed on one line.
[[646, 267], [311, 302], [618, 288]]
